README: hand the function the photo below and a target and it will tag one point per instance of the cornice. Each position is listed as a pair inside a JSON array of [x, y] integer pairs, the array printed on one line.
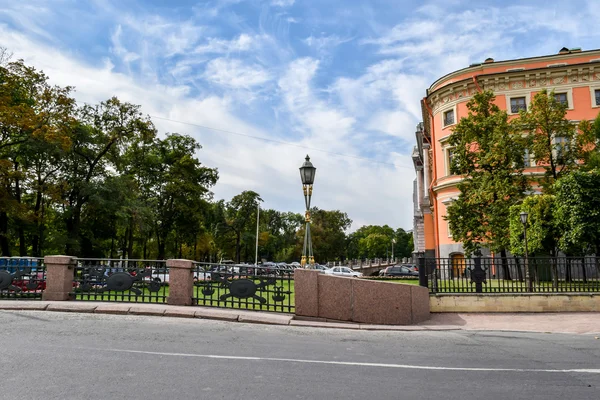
[[564, 77], [480, 68]]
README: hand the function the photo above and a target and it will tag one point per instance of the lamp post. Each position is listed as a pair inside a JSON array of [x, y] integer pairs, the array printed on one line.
[[528, 282], [393, 257], [257, 222], [307, 174]]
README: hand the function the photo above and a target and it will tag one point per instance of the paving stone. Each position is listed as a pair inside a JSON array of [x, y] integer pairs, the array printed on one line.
[[264, 318], [316, 324], [72, 307], [148, 309], [182, 312], [112, 308], [23, 305], [216, 313]]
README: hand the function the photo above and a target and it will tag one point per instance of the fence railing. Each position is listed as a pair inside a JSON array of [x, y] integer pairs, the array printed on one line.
[[511, 275], [244, 286], [22, 278], [144, 281]]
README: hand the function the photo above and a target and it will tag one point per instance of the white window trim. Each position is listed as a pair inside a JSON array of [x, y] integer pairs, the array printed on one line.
[[569, 92], [445, 110], [513, 95], [447, 160], [593, 95], [447, 202], [531, 157]]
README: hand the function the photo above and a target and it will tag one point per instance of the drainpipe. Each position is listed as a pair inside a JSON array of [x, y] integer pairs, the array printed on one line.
[[433, 179], [476, 83]]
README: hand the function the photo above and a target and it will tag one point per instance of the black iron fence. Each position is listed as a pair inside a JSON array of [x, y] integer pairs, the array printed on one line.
[[144, 281], [22, 278], [511, 275], [244, 286]]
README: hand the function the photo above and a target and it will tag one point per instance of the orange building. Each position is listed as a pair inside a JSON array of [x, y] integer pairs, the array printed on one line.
[[574, 75]]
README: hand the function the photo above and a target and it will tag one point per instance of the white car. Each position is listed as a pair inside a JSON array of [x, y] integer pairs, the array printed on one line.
[[343, 271]]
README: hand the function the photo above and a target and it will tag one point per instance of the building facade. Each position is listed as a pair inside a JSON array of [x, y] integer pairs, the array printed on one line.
[[574, 75]]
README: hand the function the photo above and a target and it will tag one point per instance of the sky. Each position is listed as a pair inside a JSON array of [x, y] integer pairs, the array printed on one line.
[[339, 80]]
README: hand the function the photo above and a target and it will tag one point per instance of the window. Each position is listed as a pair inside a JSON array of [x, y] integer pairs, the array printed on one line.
[[448, 117], [597, 95], [562, 98], [561, 146], [449, 160], [528, 160], [517, 104]]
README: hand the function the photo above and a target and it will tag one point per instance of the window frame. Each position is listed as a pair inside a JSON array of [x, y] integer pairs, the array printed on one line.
[[593, 90], [443, 116], [447, 161], [569, 94], [514, 95]]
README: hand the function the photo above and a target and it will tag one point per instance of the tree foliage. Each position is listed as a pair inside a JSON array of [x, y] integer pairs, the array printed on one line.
[[489, 156], [99, 181], [552, 138]]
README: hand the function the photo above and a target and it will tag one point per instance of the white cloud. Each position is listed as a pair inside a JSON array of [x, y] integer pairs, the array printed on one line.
[[234, 73], [325, 42], [282, 3], [243, 42]]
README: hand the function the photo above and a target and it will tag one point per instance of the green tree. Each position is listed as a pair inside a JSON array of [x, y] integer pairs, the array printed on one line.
[[542, 234], [552, 137], [577, 212], [32, 112], [328, 234], [240, 214], [489, 156], [589, 143]]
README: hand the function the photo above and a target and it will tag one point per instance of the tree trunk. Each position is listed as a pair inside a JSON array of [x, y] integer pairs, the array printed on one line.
[[505, 267], [39, 221], [130, 239], [4, 243], [238, 240], [73, 225], [20, 230]]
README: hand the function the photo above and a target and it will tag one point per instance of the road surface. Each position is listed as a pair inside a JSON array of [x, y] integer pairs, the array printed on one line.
[[49, 355]]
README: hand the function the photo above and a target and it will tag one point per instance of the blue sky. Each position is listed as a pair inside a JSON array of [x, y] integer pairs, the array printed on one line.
[[339, 77]]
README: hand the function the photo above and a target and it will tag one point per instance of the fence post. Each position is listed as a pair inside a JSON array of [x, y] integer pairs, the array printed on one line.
[[181, 282], [60, 271], [422, 271]]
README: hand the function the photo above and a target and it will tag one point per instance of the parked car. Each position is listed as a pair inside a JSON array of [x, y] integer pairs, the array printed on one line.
[[343, 271], [320, 268], [400, 270]]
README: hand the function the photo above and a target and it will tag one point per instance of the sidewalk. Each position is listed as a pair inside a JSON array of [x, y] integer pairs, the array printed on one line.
[[578, 323]]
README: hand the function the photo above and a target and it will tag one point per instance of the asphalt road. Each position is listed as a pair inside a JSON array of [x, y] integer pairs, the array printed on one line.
[[91, 356]]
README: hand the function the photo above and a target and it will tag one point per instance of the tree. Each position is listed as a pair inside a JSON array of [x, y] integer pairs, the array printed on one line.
[[589, 143], [542, 235], [488, 153], [328, 234], [552, 137], [101, 136], [240, 214], [32, 112], [577, 211]]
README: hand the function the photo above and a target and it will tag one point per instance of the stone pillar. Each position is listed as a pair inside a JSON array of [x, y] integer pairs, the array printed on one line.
[[181, 282], [60, 271], [306, 290]]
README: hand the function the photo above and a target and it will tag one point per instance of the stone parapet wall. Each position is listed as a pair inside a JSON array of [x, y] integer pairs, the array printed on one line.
[[515, 302], [356, 300]]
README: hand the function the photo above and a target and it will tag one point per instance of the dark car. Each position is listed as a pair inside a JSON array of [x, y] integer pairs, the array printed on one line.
[[400, 270]]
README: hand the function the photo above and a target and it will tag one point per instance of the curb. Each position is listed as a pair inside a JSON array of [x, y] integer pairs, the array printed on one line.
[[253, 317], [220, 314]]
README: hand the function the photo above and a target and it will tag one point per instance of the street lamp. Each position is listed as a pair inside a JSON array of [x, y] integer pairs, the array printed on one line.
[[393, 258], [307, 174], [528, 282]]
